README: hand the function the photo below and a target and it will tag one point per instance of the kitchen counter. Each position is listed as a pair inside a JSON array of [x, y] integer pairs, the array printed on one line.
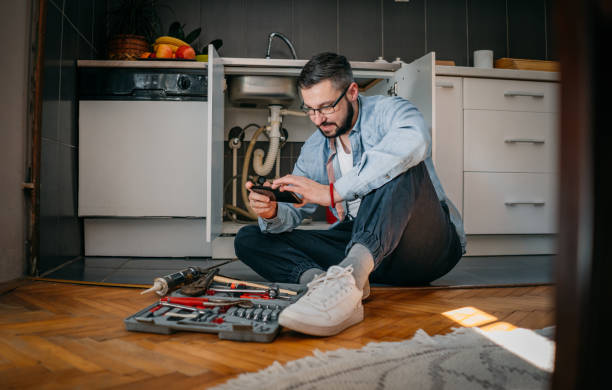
[[497, 73], [362, 69], [232, 62]]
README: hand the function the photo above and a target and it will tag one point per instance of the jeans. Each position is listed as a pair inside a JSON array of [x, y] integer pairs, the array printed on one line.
[[403, 224]]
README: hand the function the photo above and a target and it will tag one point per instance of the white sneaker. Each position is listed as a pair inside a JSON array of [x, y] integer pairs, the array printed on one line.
[[332, 304], [366, 290]]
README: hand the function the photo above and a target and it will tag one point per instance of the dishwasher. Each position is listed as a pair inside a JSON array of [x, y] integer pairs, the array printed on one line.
[[146, 151]]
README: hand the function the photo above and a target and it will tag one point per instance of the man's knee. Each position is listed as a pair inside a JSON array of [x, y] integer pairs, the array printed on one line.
[[247, 239]]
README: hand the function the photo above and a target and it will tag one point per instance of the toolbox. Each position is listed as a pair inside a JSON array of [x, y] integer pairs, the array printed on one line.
[[232, 315]]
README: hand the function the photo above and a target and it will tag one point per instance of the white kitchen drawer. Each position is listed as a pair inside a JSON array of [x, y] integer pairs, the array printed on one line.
[[507, 141], [510, 95], [510, 203]]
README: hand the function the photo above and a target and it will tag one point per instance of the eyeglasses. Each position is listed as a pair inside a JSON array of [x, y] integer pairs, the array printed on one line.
[[325, 110]]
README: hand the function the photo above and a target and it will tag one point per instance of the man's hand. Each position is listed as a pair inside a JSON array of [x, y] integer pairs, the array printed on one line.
[[310, 190], [261, 204]]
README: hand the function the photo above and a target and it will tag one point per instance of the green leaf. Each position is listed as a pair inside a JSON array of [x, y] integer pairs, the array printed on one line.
[[192, 36], [217, 43], [174, 29]]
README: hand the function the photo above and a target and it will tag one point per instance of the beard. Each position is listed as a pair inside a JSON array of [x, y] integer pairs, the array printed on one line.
[[346, 124]]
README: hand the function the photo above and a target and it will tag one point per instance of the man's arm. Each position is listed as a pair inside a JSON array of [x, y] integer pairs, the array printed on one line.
[[401, 141]]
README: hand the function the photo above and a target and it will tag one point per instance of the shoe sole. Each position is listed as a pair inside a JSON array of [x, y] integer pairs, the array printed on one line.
[[316, 330], [366, 292]]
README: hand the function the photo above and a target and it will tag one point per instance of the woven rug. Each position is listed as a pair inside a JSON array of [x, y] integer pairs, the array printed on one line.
[[467, 358]]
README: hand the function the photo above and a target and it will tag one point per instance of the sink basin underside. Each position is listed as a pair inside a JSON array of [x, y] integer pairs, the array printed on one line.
[[262, 90]]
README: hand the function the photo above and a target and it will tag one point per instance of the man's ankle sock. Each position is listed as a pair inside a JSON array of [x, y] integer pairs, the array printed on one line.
[[362, 261], [308, 275]]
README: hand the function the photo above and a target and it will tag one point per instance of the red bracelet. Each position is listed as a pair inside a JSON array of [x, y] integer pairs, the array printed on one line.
[[331, 194]]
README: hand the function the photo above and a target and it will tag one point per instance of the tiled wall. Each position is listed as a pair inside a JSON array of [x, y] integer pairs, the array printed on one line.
[[365, 29], [74, 30]]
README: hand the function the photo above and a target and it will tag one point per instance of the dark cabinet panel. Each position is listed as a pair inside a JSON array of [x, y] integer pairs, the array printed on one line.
[[49, 201], [51, 73], [526, 27], [366, 29], [360, 32], [447, 30], [264, 17], [226, 20], [67, 106], [403, 29], [99, 29], [487, 28], [315, 27], [551, 29]]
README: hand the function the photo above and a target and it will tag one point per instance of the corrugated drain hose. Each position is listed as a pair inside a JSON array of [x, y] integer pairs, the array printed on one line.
[[245, 173]]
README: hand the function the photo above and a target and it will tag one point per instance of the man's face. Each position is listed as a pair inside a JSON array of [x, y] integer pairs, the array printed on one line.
[[324, 94]]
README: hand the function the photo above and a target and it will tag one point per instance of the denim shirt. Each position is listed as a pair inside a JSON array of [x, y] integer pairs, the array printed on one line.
[[389, 137]]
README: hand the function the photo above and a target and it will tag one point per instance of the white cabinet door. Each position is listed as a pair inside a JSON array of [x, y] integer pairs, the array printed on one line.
[[415, 82], [214, 163], [447, 138]]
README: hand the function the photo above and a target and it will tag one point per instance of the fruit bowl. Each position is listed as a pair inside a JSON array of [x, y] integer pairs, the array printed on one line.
[[164, 59]]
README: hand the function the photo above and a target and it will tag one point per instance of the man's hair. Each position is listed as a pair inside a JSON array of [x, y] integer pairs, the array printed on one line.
[[326, 66]]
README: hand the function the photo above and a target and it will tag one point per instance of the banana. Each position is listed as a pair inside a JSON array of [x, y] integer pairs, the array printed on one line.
[[170, 41]]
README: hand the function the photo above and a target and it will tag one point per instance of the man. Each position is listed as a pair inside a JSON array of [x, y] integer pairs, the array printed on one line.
[[370, 161]]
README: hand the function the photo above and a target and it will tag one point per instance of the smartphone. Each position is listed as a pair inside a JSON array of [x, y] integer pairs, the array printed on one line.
[[277, 195]]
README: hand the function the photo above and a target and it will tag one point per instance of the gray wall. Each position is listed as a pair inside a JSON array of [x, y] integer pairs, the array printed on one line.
[[366, 29], [13, 107], [74, 30]]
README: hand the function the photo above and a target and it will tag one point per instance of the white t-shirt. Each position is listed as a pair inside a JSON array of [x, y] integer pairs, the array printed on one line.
[[345, 161]]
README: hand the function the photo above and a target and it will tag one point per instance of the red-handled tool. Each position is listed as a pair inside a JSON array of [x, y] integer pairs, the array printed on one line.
[[255, 296], [205, 302]]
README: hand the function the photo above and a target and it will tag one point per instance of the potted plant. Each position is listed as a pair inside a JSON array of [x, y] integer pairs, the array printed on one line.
[[133, 25]]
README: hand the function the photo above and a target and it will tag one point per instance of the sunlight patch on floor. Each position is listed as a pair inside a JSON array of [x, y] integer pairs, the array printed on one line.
[[469, 316], [524, 343]]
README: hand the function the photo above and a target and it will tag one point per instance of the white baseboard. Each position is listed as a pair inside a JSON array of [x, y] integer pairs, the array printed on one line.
[[517, 244]]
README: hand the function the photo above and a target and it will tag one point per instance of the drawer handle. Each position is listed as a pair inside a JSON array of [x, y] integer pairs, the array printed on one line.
[[517, 203], [443, 84], [523, 93], [523, 140]]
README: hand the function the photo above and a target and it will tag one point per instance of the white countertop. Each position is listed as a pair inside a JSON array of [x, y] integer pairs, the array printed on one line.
[[231, 62], [497, 73], [362, 69]]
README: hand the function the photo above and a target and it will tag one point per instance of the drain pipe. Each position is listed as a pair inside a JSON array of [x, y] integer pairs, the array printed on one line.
[[264, 168]]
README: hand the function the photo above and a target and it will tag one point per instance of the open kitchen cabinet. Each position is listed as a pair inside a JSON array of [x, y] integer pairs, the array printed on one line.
[[413, 81]]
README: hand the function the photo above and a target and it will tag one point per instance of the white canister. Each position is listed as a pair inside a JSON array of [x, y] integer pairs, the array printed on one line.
[[483, 59]]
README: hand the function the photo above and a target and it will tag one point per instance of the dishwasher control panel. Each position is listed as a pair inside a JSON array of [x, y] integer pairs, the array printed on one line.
[[106, 83]]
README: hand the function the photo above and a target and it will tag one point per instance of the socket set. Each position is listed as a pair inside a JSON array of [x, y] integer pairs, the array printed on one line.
[[233, 315]]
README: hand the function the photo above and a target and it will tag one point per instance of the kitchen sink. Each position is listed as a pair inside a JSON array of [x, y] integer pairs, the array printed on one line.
[[258, 91]]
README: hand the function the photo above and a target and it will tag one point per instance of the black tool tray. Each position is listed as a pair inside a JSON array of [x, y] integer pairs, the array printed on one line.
[[259, 323]]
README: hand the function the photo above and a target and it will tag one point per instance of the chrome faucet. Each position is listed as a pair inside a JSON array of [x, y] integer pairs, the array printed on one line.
[[285, 39]]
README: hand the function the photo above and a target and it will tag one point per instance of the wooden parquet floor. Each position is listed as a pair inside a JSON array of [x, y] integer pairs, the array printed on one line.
[[55, 335]]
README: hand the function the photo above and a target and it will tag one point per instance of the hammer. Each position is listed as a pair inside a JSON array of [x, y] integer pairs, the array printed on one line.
[[223, 279]]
